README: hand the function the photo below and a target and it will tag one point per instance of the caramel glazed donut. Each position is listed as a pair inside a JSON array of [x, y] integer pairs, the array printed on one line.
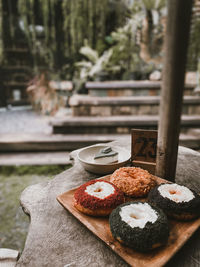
[[97, 198], [139, 225], [177, 201], [133, 181]]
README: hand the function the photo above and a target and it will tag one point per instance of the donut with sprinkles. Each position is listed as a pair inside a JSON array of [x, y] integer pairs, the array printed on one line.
[[177, 201], [133, 181], [139, 225], [98, 198]]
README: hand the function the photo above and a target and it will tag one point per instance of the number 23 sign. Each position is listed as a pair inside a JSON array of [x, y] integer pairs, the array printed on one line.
[[144, 144]]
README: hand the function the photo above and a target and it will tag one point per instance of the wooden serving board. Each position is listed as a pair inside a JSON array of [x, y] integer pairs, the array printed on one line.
[[180, 232]]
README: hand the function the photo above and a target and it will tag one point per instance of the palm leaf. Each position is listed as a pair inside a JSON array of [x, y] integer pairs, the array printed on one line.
[[90, 53]]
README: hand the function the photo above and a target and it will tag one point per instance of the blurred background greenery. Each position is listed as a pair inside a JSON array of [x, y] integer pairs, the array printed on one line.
[[87, 40]]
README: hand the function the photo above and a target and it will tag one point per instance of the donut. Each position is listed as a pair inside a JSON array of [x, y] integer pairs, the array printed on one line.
[[97, 198], [177, 201], [133, 181], [139, 225]]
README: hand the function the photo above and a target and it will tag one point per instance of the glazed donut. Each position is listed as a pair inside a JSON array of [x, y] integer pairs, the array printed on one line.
[[133, 181], [97, 198], [139, 225], [177, 201]]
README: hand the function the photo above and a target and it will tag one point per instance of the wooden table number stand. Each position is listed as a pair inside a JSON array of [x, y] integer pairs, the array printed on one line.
[[143, 149]]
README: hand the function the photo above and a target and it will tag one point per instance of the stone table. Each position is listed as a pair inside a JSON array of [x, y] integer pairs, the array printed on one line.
[[57, 239]]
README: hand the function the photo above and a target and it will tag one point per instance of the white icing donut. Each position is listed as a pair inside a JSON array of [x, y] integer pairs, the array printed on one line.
[[137, 215], [100, 189], [176, 193]]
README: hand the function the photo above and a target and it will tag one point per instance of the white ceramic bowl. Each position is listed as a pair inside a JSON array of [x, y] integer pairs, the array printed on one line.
[[86, 157]]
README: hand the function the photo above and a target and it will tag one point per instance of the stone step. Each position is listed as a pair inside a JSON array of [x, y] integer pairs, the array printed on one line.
[[194, 132], [113, 124], [54, 143], [132, 84], [190, 141], [85, 105], [111, 88], [44, 142], [87, 100], [36, 158]]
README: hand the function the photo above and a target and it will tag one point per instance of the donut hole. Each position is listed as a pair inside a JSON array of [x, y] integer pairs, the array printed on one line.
[[172, 192], [98, 190], [134, 216]]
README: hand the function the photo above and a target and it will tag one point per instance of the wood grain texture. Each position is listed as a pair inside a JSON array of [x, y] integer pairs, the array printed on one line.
[[56, 238], [180, 232]]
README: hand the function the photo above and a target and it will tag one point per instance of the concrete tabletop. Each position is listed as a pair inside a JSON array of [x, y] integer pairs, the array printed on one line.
[[57, 239]]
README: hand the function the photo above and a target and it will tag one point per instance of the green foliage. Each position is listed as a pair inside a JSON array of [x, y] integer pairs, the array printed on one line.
[[88, 52], [65, 26], [40, 47], [94, 66], [194, 46], [123, 56], [13, 180], [55, 31], [14, 223], [128, 40], [1, 31], [50, 170], [154, 4], [126, 49]]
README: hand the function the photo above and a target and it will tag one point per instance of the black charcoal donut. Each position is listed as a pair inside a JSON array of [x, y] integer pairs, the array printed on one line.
[[139, 225], [177, 201]]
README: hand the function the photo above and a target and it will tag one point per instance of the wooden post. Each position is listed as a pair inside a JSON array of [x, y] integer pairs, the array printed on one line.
[[176, 42]]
